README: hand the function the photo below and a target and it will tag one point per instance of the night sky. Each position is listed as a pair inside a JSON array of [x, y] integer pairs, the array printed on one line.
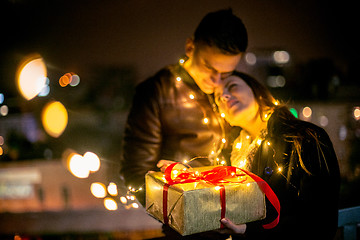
[[79, 36]]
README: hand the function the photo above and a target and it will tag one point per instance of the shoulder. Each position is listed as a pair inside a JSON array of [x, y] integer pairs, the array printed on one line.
[[163, 77]]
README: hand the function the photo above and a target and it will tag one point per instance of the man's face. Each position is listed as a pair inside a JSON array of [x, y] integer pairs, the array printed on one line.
[[208, 65]]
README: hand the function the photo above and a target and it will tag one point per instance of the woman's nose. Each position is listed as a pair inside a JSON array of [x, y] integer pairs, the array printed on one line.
[[225, 97]]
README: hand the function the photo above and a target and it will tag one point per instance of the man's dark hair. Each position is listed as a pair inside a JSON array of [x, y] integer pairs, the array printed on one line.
[[224, 30]]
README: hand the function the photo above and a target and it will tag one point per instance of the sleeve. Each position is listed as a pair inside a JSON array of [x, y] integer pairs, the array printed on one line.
[[142, 136]]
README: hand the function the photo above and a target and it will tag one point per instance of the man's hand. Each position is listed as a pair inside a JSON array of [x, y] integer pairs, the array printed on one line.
[[232, 227], [163, 164]]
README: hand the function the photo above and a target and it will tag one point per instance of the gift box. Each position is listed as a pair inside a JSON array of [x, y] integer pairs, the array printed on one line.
[[194, 200]]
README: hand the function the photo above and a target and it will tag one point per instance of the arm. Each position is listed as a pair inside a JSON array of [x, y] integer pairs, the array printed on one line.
[[142, 139]]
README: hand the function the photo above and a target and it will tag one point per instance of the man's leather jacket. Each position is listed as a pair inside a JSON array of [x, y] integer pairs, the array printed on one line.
[[172, 119]]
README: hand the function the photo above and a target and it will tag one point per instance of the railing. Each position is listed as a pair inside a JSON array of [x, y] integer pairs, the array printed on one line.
[[349, 218]]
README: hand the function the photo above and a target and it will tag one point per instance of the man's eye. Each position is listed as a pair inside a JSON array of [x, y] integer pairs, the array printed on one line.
[[225, 75]]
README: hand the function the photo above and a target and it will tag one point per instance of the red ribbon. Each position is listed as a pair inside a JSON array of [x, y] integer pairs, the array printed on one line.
[[216, 176]]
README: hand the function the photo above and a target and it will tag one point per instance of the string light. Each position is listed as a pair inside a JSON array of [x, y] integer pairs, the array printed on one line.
[[206, 120], [123, 200], [191, 96], [222, 115], [178, 79]]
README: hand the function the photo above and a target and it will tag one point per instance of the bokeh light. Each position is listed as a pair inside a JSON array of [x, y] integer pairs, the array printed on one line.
[[77, 166], [357, 113], [98, 190], [31, 76], [92, 161], [307, 112], [4, 110], [281, 57], [110, 204], [54, 118], [112, 189], [71, 79]]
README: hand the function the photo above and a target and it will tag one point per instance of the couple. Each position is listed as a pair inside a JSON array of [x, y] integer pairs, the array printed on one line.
[[174, 116]]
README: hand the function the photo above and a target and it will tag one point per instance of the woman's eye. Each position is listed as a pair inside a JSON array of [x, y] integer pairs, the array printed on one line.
[[232, 86]]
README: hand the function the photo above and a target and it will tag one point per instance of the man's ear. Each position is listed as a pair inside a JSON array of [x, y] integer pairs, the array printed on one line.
[[189, 47]]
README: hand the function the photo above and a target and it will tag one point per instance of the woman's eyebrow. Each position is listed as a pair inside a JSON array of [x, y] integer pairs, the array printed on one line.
[[227, 84]]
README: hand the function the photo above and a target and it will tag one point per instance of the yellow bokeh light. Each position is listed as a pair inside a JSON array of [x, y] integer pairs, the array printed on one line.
[[110, 204], [31, 76], [98, 190], [54, 118]]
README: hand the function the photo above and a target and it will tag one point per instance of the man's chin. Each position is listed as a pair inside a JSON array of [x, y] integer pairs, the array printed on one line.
[[208, 90]]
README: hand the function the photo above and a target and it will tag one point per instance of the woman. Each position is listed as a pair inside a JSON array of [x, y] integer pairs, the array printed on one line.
[[296, 158]]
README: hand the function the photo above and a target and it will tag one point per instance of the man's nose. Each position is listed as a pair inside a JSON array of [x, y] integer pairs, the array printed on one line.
[[215, 78]]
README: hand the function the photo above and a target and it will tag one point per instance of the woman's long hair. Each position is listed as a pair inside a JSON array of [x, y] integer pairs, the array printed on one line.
[[267, 103]]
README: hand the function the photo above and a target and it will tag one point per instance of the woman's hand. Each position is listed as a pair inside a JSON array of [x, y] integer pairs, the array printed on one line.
[[237, 229]]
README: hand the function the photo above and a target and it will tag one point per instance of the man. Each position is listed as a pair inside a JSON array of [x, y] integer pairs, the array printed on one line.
[[172, 116]]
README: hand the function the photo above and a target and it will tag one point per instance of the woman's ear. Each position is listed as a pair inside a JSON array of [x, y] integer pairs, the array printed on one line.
[[189, 47]]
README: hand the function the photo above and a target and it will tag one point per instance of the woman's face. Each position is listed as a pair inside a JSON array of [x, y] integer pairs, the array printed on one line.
[[237, 101]]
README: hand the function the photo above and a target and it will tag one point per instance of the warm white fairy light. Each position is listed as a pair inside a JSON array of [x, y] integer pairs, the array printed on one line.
[[110, 204], [112, 189], [223, 140], [222, 115], [222, 162], [206, 120], [259, 142], [135, 205], [178, 79], [181, 61], [191, 96], [238, 145], [123, 200]]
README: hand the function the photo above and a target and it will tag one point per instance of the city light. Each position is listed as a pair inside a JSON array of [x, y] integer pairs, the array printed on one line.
[[281, 57], [112, 189], [110, 204], [54, 118], [31, 76], [307, 112], [357, 113]]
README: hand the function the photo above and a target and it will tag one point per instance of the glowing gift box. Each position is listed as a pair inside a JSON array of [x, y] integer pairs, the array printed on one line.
[[194, 200]]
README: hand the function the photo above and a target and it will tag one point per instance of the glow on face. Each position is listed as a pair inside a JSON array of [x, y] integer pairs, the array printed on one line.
[[208, 65], [236, 100]]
